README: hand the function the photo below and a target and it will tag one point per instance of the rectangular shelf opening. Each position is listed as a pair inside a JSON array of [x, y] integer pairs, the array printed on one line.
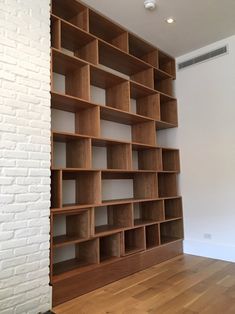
[[167, 184], [70, 76], [163, 83], [71, 11], [108, 31], [168, 110], [144, 102], [144, 133], [170, 160], [148, 212], [114, 217], [147, 159], [75, 42], [143, 50], [152, 236], [109, 247], [173, 208], [171, 231], [166, 63], [110, 90], [71, 151], [69, 228], [76, 256], [134, 240], [81, 188]]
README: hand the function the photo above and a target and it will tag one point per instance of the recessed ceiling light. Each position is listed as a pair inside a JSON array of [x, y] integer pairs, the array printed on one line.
[[150, 4], [169, 20]]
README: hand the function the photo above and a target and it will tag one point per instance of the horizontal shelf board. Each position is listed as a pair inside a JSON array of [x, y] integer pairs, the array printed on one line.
[[165, 240], [72, 264], [138, 90], [133, 250], [144, 222], [69, 103], [107, 229], [108, 258], [104, 79], [62, 240]]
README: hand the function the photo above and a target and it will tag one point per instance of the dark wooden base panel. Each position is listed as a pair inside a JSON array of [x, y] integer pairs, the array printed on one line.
[[85, 282]]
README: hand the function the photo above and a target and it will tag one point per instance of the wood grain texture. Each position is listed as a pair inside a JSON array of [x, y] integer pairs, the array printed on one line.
[[185, 285]]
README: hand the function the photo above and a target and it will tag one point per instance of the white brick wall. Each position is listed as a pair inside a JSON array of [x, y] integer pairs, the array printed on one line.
[[24, 156]]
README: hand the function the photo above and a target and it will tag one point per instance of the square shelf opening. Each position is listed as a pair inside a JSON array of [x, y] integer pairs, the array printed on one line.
[[148, 212], [166, 63], [70, 227], [71, 11], [115, 131], [171, 231], [142, 50], [109, 218], [152, 236], [147, 159], [168, 110], [111, 155], [173, 208], [109, 90], [170, 160], [70, 76], [75, 256], [144, 133], [71, 151], [108, 31], [167, 184], [163, 83], [81, 188], [134, 240], [144, 77], [77, 43], [109, 247], [144, 101]]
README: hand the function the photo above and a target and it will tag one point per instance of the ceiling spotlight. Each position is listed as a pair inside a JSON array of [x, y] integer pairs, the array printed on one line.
[[150, 4], [170, 20]]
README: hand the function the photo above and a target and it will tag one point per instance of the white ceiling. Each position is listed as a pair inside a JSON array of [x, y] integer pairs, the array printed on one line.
[[198, 22]]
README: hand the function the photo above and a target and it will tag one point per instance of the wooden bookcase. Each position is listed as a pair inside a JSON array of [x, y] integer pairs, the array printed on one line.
[[115, 207]]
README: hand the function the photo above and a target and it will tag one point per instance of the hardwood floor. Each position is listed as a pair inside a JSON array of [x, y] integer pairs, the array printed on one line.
[[185, 285]]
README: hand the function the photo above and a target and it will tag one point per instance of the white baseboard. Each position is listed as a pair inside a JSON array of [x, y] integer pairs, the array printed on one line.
[[211, 250]]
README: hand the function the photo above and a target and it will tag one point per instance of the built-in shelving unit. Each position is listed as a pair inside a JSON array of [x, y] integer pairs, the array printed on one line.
[[115, 207]]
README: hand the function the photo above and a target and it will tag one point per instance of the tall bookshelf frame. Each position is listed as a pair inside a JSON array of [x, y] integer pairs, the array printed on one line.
[[89, 49]]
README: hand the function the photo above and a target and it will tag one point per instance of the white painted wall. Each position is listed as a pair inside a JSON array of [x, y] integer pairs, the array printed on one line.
[[206, 137], [24, 156]]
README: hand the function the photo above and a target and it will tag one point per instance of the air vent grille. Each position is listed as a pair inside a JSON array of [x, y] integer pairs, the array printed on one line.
[[203, 57]]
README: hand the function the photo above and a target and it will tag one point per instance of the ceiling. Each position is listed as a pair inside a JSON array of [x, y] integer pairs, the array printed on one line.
[[198, 22]]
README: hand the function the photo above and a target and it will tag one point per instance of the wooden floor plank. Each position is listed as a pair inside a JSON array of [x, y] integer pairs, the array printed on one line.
[[185, 285]]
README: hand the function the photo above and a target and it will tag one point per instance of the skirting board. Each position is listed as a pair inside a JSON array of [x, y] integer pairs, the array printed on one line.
[[85, 282], [211, 250]]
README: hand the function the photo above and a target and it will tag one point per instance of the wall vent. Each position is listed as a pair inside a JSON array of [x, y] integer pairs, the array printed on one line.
[[206, 56]]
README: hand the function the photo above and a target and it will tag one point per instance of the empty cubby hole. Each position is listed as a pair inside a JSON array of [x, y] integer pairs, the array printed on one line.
[[70, 76], [108, 31], [152, 236], [75, 256], [71, 151], [70, 227], [147, 159], [109, 90], [78, 43], [171, 231], [109, 247], [143, 50], [144, 133], [144, 77], [82, 121], [134, 240], [81, 187], [170, 159], [163, 83], [110, 155], [71, 11], [115, 131], [112, 217], [166, 63], [144, 101], [173, 208], [129, 185], [168, 110], [167, 184], [148, 212]]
